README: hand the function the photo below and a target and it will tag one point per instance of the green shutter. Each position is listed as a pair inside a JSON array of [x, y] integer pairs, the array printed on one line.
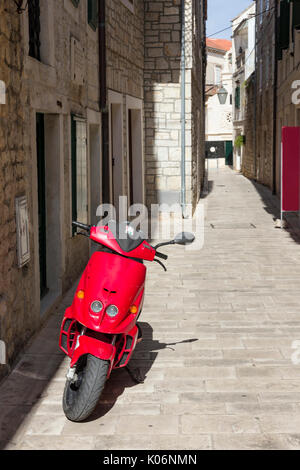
[[93, 13], [238, 97], [284, 25]]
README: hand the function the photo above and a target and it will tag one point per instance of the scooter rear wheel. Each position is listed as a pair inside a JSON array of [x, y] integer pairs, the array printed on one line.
[[82, 395]]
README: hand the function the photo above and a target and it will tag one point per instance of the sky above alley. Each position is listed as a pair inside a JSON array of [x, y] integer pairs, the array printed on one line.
[[220, 14]]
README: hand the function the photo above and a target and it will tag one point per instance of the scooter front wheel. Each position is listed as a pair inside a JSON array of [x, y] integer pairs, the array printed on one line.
[[82, 394]]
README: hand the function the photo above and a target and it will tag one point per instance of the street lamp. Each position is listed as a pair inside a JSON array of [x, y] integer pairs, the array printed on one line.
[[222, 95]]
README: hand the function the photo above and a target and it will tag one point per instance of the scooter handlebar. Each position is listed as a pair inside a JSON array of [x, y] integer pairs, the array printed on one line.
[[161, 255], [82, 226]]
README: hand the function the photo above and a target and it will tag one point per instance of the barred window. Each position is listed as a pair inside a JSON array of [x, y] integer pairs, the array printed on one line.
[[34, 29], [93, 13]]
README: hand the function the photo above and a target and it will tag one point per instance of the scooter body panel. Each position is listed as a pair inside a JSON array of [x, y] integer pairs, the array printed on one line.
[[112, 280]]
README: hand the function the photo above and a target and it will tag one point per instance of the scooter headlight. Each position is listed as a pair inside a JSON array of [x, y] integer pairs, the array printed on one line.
[[112, 311], [96, 306]]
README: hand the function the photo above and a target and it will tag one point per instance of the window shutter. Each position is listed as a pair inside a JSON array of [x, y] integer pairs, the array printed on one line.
[[284, 26], [93, 13], [34, 29], [238, 97], [296, 14], [79, 170]]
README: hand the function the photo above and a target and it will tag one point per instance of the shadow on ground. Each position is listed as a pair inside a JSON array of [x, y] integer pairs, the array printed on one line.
[[208, 189], [22, 389], [272, 207], [141, 363]]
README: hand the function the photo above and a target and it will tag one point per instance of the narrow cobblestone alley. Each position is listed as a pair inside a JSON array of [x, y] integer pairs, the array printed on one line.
[[218, 333]]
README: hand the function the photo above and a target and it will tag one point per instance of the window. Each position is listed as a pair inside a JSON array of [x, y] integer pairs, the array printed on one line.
[[34, 29], [296, 18], [79, 170], [218, 72], [93, 13], [75, 3], [284, 25]]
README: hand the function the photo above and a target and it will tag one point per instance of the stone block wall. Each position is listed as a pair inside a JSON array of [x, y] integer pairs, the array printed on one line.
[[125, 60], [163, 27], [125, 47], [18, 319], [248, 165], [39, 86], [265, 99]]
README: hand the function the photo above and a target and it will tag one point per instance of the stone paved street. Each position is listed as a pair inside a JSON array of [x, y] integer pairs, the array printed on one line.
[[218, 334]]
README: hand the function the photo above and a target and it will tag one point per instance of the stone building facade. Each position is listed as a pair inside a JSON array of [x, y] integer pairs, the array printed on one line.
[[248, 166], [243, 67], [93, 112], [278, 53], [288, 89], [218, 131], [16, 300], [265, 112], [125, 100], [163, 99], [49, 141]]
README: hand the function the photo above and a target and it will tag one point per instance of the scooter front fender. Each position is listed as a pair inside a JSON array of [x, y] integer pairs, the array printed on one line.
[[88, 345]]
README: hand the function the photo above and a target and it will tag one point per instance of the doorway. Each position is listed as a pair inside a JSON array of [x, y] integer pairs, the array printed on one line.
[[49, 144], [95, 171], [135, 156], [116, 136], [41, 174], [229, 153]]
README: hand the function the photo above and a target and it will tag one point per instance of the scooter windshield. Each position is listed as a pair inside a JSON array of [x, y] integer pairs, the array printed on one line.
[[127, 236], [124, 239]]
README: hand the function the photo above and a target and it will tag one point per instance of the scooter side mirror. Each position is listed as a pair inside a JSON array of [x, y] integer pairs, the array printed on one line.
[[184, 238]]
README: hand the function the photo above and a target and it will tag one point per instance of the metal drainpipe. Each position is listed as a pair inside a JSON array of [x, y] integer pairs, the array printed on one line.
[[183, 183]]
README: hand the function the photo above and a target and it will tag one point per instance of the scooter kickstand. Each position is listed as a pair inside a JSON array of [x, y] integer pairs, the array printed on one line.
[[135, 375]]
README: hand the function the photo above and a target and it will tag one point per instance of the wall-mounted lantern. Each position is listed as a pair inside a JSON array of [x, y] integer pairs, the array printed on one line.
[[222, 95]]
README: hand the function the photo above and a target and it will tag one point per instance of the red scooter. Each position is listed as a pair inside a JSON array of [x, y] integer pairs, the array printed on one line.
[[99, 331]]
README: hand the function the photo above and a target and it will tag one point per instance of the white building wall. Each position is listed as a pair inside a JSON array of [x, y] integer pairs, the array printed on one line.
[[219, 116], [243, 65]]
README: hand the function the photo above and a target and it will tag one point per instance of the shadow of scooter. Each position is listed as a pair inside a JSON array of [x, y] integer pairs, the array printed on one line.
[[141, 363]]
